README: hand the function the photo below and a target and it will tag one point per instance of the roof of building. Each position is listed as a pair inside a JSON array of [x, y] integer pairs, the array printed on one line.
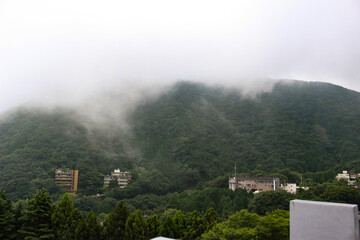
[[256, 178], [162, 238]]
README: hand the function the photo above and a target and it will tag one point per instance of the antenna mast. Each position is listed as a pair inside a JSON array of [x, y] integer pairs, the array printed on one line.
[[235, 170]]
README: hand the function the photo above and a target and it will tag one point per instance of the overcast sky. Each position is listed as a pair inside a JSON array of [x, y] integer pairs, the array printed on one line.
[[64, 51]]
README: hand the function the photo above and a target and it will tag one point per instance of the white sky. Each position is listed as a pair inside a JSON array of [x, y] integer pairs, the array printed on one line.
[[64, 51]]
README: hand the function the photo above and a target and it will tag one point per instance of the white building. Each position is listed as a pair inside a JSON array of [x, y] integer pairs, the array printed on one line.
[[122, 178], [290, 187], [344, 175]]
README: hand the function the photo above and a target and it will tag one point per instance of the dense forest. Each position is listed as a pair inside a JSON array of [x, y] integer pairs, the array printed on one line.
[[181, 147], [184, 138], [39, 218], [262, 216]]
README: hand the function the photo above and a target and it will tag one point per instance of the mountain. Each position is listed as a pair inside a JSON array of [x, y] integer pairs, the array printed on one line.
[[190, 134]]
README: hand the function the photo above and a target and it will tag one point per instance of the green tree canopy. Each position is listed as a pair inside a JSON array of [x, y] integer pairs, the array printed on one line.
[[89, 229], [180, 224], [65, 219], [269, 201], [196, 226], [248, 226], [211, 218], [37, 218], [153, 226], [114, 225], [135, 227], [168, 228], [6, 217]]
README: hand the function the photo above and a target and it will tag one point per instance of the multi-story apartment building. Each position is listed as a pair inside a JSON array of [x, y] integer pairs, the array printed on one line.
[[68, 179], [259, 184], [122, 178]]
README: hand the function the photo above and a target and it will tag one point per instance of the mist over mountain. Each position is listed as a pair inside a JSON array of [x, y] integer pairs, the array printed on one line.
[[181, 136]]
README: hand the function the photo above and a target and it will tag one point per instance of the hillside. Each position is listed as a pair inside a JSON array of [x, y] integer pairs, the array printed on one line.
[[188, 135], [302, 126], [33, 143]]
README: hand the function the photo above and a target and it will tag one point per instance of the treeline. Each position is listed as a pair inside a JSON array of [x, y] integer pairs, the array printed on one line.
[[224, 201], [189, 215], [39, 218]]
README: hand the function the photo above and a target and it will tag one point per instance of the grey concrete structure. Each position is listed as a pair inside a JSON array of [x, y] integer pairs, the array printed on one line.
[[311, 220]]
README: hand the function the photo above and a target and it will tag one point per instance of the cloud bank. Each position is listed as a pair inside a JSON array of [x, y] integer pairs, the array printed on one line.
[[65, 52]]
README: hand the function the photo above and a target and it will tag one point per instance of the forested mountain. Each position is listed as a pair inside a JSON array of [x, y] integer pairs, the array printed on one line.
[[189, 135]]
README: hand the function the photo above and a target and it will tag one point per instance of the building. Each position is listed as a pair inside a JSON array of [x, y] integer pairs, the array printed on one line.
[[259, 184], [290, 187], [123, 178], [351, 178], [344, 175], [67, 179], [162, 238]]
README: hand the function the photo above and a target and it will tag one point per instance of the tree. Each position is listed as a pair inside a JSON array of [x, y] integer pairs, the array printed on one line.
[[195, 226], [170, 212], [341, 193], [65, 219], [19, 211], [241, 225], [274, 226], [135, 227], [88, 229], [211, 218], [247, 226], [168, 228], [114, 225], [269, 201], [180, 224], [6, 217], [153, 226], [37, 218], [94, 228]]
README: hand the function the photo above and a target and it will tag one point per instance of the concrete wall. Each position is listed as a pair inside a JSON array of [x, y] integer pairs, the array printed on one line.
[[311, 220]]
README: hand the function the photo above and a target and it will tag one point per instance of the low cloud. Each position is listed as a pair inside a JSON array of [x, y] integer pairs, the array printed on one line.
[[69, 53]]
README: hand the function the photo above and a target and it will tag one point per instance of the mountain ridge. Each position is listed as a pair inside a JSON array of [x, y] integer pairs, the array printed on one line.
[[191, 134]]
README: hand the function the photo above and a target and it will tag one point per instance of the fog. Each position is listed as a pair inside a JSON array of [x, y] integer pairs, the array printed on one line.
[[69, 53]]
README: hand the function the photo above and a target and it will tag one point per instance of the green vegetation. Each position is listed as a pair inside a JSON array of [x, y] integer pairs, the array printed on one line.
[[44, 220], [185, 138], [266, 217], [246, 226], [180, 148]]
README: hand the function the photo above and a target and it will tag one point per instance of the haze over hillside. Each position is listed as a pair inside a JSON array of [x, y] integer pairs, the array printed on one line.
[[188, 134], [62, 52]]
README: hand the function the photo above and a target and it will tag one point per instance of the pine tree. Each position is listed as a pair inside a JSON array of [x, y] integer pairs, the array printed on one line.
[[6, 218], [135, 227], [37, 218], [88, 229], [153, 226], [81, 232], [195, 226], [19, 211], [168, 228], [180, 224], [114, 225], [94, 228], [65, 219]]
